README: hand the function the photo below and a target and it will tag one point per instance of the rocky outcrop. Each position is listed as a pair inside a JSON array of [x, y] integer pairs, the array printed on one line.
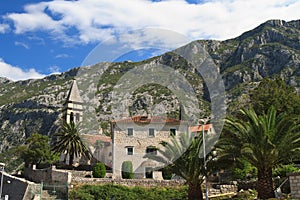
[[35, 106]]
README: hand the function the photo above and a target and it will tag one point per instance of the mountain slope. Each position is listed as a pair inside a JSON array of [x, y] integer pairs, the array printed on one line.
[[35, 106]]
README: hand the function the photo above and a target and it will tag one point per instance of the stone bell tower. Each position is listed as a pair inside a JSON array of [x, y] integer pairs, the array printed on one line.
[[73, 107]]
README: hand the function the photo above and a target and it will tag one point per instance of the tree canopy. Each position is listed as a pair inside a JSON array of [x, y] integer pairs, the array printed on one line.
[[275, 93], [37, 150], [69, 142], [265, 140], [181, 156]]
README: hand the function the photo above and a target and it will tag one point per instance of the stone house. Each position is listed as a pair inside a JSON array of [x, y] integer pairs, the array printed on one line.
[[136, 136]]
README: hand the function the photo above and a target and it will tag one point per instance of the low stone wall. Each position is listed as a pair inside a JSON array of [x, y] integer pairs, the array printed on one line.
[[129, 182], [245, 185], [294, 179], [222, 189], [49, 175]]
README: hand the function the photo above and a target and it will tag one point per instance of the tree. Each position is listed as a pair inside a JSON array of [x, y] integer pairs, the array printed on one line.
[[182, 158], [99, 170], [37, 150], [265, 141], [68, 141], [275, 93], [127, 170]]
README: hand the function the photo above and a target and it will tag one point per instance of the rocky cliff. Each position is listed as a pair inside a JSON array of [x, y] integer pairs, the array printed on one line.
[[35, 106]]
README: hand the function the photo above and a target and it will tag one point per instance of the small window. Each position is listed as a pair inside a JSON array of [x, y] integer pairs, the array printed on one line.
[[77, 117], [129, 150], [148, 172], [173, 132], [151, 150], [130, 131], [151, 132], [72, 117]]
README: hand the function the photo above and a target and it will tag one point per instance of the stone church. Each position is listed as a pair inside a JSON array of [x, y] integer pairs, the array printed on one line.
[[100, 145]]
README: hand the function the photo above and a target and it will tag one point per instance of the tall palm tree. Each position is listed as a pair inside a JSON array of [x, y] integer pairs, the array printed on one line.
[[265, 141], [68, 141], [182, 157]]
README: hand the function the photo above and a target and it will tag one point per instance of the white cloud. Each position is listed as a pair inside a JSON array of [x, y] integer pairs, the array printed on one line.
[[4, 28], [63, 55], [54, 69], [16, 73], [22, 44], [96, 20]]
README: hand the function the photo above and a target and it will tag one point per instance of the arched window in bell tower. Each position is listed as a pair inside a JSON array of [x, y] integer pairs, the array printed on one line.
[[72, 117], [77, 117]]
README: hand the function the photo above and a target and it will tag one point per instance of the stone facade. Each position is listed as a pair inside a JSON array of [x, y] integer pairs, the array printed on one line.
[[129, 182], [295, 184], [73, 106], [49, 175], [136, 136], [99, 145]]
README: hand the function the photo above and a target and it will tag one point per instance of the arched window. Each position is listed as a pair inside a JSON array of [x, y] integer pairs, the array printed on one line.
[[72, 117], [77, 117]]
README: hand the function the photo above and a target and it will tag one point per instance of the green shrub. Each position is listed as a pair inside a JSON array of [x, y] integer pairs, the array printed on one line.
[[117, 192], [244, 171], [167, 173], [284, 169], [127, 170], [99, 170]]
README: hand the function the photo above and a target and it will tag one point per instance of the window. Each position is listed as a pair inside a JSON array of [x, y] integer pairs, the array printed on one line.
[[130, 131], [148, 172], [172, 131], [151, 150], [72, 117], [129, 150], [151, 132], [77, 117]]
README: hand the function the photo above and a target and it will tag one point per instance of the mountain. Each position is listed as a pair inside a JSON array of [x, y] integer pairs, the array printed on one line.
[[35, 106]]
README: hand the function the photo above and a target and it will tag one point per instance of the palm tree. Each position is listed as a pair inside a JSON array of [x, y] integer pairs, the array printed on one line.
[[182, 157], [69, 142], [265, 141]]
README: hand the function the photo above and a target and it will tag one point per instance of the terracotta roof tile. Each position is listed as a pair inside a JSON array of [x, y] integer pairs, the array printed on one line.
[[199, 128], [146, 120], [92, 139]]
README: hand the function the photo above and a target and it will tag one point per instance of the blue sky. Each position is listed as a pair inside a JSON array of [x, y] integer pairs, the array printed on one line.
[[38, 38]]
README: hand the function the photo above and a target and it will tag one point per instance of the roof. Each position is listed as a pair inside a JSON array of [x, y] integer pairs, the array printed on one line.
[[146, 120], [92, 139], [74, 95], [199, 128]]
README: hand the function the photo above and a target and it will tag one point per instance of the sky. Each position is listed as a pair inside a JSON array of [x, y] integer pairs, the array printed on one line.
[[39, 38]]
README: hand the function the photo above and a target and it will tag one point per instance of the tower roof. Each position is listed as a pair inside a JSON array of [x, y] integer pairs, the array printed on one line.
[[74, 95]]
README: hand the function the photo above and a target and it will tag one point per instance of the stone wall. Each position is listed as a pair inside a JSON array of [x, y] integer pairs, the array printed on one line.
[[295, 184], [129, 182], [222, 189], [49, 175]]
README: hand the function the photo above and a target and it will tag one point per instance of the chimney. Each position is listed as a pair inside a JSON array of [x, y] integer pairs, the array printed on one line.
[[149, 115]]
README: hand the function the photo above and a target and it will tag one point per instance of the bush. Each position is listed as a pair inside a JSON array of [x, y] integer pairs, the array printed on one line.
[[283, 170], [167, 173], [99, 171], [127, 170], [117, 192]]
